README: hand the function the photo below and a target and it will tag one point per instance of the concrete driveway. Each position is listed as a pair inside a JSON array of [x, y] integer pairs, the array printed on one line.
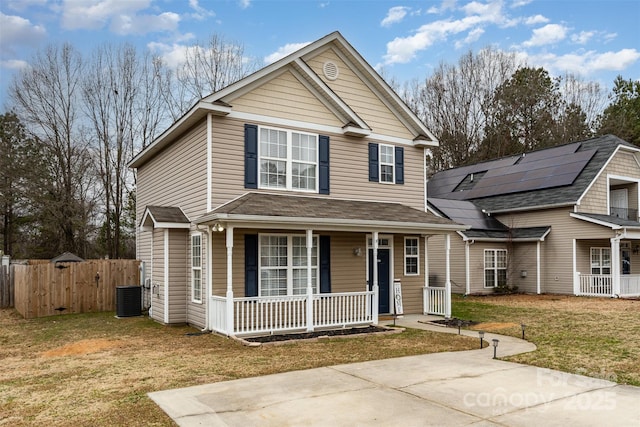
[[443, 389]]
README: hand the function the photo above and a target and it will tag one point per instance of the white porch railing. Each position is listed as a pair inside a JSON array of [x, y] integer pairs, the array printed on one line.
[[630, 285], [595, 285], [601, 285], [435, 300], [218, 314], [267, 315]]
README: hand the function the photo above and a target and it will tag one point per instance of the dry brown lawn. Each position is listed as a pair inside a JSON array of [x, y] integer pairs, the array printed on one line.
[[598, 337], [96, 370]]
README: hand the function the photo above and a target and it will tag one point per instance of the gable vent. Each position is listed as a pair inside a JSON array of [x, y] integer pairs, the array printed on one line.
[[330, 70]]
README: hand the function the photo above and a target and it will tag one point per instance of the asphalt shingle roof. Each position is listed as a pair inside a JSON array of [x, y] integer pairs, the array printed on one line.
[[443, 184], [170, 214]]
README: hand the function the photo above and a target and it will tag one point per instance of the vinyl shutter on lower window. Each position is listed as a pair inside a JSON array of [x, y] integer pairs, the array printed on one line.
[[251, 265], [325, 264]]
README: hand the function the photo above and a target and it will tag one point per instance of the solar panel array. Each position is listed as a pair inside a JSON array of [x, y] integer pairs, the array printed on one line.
[[467, 213], [553, 167]]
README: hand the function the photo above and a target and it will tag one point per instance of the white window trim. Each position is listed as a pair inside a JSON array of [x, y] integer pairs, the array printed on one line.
[[193, 290], [600, 263], [289, 266], [392, 164], [416, 256], [289, 160], [495, 268]]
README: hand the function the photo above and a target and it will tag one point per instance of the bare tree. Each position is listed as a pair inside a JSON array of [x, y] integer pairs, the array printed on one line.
[[589, 96], [453, 103], [46, 97], [207, 68]]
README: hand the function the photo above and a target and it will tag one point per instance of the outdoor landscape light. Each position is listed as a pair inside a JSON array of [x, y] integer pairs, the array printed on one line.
[[523, 326], [495, 342], [459, 324], [481, 334]]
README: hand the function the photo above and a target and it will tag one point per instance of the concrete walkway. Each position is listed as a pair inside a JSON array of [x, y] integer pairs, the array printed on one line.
[[441, 389]]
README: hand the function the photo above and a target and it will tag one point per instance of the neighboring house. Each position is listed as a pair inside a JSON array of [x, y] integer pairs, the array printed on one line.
[[559, 220], [262, 208]]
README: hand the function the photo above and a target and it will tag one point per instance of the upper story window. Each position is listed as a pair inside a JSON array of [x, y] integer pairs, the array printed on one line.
[[386, 163], [285, 159], [288, 160]]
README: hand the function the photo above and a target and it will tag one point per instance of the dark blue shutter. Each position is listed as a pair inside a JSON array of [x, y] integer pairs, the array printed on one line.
[[323, 160], [251, 265], [373, 162], [250, 156], [325, 264], [399, 165]]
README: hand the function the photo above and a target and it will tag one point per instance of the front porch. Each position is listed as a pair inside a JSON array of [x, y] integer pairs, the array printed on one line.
[[278, 274], [604, 285]]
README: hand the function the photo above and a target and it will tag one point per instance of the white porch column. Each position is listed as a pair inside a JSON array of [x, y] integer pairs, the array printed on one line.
[[309, 281], [209, 273], [576, 274], [447, 250], [376, 294], [425, 292], [230, 326], [615, 266], [467, 268], [538, 283]]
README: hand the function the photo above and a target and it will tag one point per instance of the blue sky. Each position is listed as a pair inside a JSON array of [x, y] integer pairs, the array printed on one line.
[[595, 39]]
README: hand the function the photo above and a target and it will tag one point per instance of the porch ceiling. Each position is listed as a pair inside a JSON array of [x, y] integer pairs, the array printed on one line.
[[266, 210]]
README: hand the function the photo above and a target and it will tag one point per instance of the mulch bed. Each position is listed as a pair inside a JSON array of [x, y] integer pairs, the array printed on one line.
[[316, 334], [454, 323]]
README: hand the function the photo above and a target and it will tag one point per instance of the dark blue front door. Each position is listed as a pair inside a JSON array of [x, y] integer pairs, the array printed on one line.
[[384, 281]]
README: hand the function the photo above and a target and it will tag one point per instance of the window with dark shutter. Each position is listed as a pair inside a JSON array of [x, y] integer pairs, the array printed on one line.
[[399, 165], [325, 264], [251, 265], [250, 156], [373, 162], [323, 157]]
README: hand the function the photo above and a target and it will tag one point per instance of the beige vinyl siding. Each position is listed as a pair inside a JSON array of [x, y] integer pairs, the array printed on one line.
[[177, 176], [557, 249], [412, 286], [595, 200], [144, 251], [178, 285], [196, 312], [286, 98], [349, 169], [366, 104], [522, 256], [158, 284], [437, 262]]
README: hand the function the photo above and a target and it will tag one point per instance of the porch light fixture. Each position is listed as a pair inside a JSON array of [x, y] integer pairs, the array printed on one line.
[[357, 251], [218, 227], [636, 249], [481, 334], [523, 326], [495, 342]]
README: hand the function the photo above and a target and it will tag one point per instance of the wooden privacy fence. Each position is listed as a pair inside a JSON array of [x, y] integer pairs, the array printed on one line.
[[6, 287], [82, 287]]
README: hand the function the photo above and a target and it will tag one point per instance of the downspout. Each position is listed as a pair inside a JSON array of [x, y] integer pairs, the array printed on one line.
[[209, 161], [447, 244], [467, 265], [426, 178], [576, 275], [166, 275], [209, 275], [538, 284]]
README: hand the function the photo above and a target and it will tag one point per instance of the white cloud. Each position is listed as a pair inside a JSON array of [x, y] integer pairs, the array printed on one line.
[[444, 6], [394, 15], [21, 5], [95, 14], [520, 3], [535, 20], [172, 54], [13, 64], [403, 49], [143, 24], [283, 51], [586, 62], [583, 37], [473, 36], [549, 34], [200, 13], [244, 3], [16, 31]]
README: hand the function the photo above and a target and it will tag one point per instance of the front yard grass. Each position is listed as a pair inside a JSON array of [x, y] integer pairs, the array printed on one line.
[[597, 337], [94, 369]]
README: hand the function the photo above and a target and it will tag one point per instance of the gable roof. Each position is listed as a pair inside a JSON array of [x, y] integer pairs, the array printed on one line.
[[164, 217], [555, 176], [218, 103], [254, 210]]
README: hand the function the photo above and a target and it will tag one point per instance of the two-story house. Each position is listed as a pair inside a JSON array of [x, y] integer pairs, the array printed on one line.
[[559, 220], [293, 199]]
